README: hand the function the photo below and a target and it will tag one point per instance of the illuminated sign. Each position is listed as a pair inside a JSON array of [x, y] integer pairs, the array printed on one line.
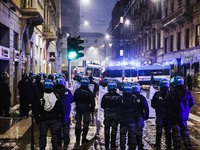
[[16, 55], [4, 52]]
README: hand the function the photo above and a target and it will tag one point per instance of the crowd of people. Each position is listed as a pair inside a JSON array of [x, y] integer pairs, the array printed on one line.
[[125, 112]]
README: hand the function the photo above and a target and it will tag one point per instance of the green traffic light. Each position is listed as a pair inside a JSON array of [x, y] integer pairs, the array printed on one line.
[[72, 55]]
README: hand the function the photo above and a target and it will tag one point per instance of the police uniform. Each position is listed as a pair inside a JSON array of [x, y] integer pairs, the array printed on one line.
[[142, 113], [5, 96], [85, 104], [178, 104], [127, 117], [110, 104], [66, 99], [158, 103]]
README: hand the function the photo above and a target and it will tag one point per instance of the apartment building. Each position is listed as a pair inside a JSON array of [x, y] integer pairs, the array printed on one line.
[[164, 32], [28, 33]]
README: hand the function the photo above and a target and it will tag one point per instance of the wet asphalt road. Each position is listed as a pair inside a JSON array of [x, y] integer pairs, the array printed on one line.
[[21, 140]]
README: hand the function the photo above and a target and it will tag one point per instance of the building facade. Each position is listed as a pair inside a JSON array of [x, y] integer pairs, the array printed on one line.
[[28, 34], [164, 32]]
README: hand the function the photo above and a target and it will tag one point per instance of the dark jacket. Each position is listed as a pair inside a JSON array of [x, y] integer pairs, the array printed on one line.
[[40, 88], [31, 92], [55, 113], [127, 110], [66, 100], [84, 100], [110, 102], [178, 104], [21, 87], [158, 103], [142, 106], [4, 91]]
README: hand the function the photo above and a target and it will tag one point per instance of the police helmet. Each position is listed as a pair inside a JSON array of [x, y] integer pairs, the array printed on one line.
[[57, 76], [48, 84], [136, 87], [44, 76], [127, 88], [60, 81], [77, 78], [4, 76], [30, 79], [51, 76], [164, 83], [38, 77], [30, 73], [112, 85], [84, 81], [178, 80], [24, 76]]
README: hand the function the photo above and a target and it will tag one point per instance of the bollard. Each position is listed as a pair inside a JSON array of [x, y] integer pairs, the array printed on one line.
[[32, 132]]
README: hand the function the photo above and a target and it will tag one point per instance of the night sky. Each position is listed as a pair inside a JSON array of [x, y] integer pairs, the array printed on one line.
[[98, 14]]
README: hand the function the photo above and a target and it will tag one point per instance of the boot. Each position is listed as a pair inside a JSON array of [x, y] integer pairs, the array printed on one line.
[[158, 140], [113, 141], [107, 138], [78, 137], [84, 140], [85, 132]]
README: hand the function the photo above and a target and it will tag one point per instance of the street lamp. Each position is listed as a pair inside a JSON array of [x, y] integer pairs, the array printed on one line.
[[86, 23], [85, 2]]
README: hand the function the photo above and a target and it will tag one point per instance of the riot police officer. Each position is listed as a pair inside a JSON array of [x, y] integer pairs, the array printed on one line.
[[39, 85], [127, 117], [178, 104], [48, 115], [22, 95], [110, 104], [85, 104], [5, 96], [158, 103], [142, 113], [66, 99]]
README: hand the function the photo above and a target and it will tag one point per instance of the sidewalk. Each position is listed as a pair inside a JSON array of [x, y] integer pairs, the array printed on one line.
[[15, 134]]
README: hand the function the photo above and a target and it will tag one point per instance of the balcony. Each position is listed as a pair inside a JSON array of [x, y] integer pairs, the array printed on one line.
[[33, 11], [146, 23], [143, 6], [178, 17], [156, 16], [49, 32], [136, 14]]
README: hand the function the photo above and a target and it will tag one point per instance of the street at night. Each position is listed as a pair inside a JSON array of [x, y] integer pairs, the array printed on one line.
[[99, 74], [16, 132]]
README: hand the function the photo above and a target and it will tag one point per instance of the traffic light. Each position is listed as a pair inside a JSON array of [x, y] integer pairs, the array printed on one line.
[[74, 48], [71, 48]]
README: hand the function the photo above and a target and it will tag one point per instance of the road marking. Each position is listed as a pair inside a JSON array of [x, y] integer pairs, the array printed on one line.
[[17, 130], [194, 117], [190, 123]]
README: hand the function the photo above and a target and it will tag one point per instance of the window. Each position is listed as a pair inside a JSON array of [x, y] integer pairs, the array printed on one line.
[[197, 38], [179, 3], [158, 42], [154, 42], [130, 73], [178, 40], [187, 33], [149, 43], [188, 3], [15, 41], [165, 45], [172, 6], [165, 11], [171, 43], [4, 36]]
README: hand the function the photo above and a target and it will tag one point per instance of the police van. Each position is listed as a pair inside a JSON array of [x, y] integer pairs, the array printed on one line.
[[93, 70]]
